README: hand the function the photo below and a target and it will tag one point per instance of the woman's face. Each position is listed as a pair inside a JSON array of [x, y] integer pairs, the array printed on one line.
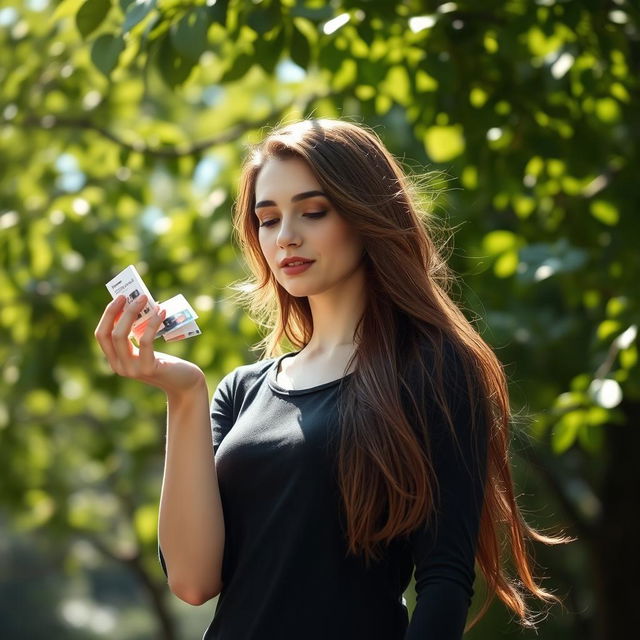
[[297, 220]]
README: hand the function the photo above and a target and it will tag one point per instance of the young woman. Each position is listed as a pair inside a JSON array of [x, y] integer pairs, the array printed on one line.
[[377, 447]]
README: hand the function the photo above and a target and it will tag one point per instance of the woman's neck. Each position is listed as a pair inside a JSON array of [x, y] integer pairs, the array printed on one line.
[[336, 314]]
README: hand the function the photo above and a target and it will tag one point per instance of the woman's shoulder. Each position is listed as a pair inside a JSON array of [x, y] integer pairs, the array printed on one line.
[[244, 376]]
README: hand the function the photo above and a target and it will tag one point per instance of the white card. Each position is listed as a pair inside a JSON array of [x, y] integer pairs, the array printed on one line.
[[129, 283]]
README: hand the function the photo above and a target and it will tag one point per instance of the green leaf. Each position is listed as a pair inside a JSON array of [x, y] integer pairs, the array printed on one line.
[[299, 49], [65, 9], [366, 31], [608, 328], [469, 177], [39, 505], [173, 67], [629, 357], [523, 205], [605, 211], [240, 66], [189, 35], [565, 431], [397, 85], [607, 110], [541, 45], [263, 20], [91, 15], [499, 241], [444, 143], [346, 75], [136, 12], [269, 50], [105, 52], [591, 437], [424, 82], [146, 522], [506, 265], [477, 97], [39, 402]]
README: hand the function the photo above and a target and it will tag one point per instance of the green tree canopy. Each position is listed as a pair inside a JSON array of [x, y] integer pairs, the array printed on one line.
[[124, 125]]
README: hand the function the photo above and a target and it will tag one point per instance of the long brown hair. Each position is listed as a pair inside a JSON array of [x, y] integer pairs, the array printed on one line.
[[407, 283]]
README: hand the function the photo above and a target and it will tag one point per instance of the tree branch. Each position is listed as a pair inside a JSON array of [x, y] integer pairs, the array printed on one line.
[[233, 133]]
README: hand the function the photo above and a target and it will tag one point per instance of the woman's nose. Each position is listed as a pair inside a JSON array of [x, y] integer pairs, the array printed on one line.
[[287, 235]]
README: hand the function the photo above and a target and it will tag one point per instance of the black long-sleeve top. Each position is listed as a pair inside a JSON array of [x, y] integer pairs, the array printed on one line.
[[286, 573]]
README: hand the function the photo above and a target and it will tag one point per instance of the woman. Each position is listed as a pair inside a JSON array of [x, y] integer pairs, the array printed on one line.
[[376, 448]]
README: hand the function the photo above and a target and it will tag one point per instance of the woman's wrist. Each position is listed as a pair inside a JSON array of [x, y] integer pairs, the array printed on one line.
[[187, 395]]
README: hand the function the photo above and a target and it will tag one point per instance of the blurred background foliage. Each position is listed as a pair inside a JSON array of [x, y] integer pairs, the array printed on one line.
[[123, 127]]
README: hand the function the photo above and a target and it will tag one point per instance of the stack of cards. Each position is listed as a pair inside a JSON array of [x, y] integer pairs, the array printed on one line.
[[179, 322]]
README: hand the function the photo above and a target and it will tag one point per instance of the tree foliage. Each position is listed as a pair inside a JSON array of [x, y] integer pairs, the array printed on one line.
[[124, 124]]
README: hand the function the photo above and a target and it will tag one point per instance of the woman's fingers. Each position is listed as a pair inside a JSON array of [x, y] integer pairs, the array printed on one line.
[[113, 332], [120, 336], [146, 356], [103, 331]]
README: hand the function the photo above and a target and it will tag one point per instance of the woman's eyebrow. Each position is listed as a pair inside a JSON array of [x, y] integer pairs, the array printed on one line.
[[299, 196]]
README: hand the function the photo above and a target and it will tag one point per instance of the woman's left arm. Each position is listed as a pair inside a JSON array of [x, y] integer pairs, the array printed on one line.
[[444, 549]]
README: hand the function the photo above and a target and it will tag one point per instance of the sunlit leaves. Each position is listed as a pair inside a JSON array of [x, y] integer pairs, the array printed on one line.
[[566, 430], [136, 12], [39, 402], [67, 8], [146, 523], [345, 75], [477, 97], [424, 82], [397, 85], [532, 113], [497, 242], [503, 246], [629, 357], [607, 328], [38, 508], [540, 44], [91, 510], [605, 212], [607, 110], [444, 143], [41, 253]]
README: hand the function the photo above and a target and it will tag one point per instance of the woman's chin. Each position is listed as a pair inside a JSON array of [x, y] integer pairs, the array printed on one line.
[[299, 290]]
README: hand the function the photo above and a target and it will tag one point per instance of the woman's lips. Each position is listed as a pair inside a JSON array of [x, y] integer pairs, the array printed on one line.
[[294, 269]]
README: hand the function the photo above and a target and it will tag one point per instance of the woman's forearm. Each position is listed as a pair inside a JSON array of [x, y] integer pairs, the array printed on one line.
[[191, 523]]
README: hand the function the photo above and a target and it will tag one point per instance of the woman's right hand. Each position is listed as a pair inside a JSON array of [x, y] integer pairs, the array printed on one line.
[[171, 374]]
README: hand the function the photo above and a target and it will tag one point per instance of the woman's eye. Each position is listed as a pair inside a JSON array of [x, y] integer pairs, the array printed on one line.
[[311, 214]]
